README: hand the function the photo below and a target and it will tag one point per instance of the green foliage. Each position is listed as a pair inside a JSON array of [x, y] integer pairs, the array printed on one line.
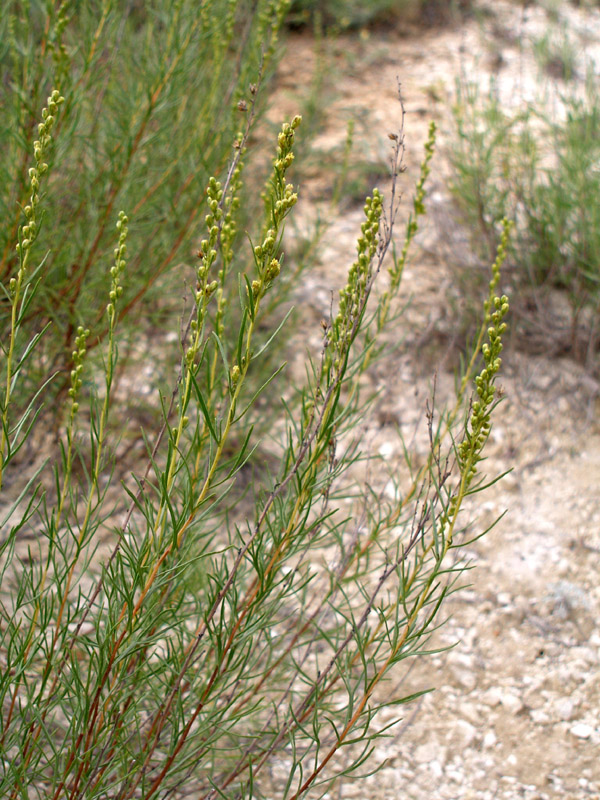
[[152, 106], [556, 56], [339, 15], [540, 171], [166, 635]]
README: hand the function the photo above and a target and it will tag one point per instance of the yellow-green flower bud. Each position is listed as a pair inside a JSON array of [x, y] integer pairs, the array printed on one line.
[[274, 269]]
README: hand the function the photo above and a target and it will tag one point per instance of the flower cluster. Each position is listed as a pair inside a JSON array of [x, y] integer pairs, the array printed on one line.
[[116, 271], [500, 256], [57, 47], [228, 231], [208, 252], [285, 141], [29, 231], [418, 210], [478, 425], [470, 448], [78, 358], [207, 255], [418, 203], [352, 295], [231, 205], [279, 200], [270, 20]]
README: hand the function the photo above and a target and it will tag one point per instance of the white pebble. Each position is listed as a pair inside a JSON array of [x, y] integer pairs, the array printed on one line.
[[511, 703], [582, 731], [489, 740]]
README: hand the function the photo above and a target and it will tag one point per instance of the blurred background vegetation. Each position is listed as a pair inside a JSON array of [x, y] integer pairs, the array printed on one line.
[[153, 94], [352, 14], [534, 159], [153, 105]]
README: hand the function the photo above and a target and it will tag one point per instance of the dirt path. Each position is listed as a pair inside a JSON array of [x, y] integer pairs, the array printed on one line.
[[516, 711]]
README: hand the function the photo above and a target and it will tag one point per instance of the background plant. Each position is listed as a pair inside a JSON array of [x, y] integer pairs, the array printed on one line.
[[540, 169], [152, 104], [348, 14]]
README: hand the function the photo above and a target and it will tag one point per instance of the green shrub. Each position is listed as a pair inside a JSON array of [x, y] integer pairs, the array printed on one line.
[[349, 14], [151, 108], [556, 56], [167, 633], [540, 171], [340, 14]]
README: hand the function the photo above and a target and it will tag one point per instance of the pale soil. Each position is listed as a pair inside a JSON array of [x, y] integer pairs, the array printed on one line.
[[516, 711]]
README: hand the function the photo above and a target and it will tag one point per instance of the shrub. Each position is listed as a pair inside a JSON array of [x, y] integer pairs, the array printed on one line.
[[168, 633], [151, 107], [350, 14], [540, 171]]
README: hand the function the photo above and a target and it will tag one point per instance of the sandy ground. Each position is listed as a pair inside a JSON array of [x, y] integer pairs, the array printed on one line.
[[516, 710]]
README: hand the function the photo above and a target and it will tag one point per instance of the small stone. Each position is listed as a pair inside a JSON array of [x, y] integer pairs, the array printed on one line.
[[466, 732], [587, 654], [427, 752], [565, 708], [533, 699], [464, 678], [387, 449], [539, 716], [493, 697], [511, 703], [510, 483], [563, 568], [463, 671], [471, 713], [489, 740], [582, 731], [436, 769]]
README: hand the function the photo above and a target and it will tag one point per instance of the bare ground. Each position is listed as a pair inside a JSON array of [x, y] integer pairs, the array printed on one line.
[[516, 710]]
